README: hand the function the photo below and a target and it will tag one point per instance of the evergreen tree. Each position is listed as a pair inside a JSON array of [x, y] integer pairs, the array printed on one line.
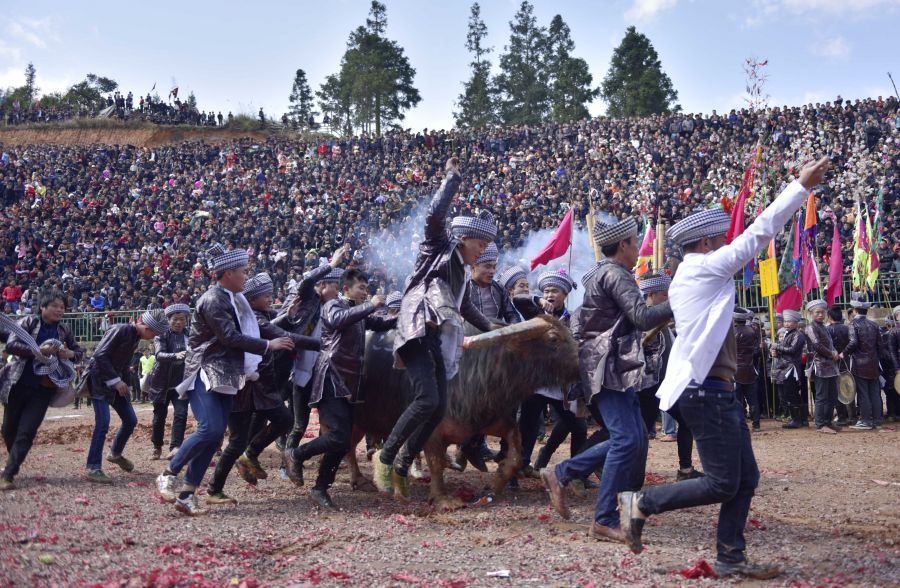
[[476, 103], [31, 89], [570, 77], [192, 101], [375, 83], [522, 83], [301, 100], [635, 84]]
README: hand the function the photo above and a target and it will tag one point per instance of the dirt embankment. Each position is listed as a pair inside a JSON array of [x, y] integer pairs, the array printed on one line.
[[140, 137]]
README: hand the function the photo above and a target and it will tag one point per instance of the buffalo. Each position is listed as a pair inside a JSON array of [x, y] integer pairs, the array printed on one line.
[[496, 373]]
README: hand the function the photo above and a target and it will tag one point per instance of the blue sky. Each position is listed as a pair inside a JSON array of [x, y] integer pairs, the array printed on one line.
[[239, 56]]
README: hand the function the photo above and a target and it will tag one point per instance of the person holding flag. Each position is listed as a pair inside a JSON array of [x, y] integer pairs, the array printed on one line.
[[700, 377]]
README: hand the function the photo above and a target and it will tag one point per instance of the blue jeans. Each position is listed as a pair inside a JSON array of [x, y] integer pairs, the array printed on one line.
[[211, 410], [122, 406], [623, 456], [723, 441], [670, 425]]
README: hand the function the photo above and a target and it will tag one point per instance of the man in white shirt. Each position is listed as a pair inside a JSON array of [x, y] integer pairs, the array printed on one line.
[[700, 376]]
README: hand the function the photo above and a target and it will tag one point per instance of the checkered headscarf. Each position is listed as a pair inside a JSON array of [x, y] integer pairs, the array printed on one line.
[[393, 300], [655, 282], [589, 274], [510, 276], [742, 314], [491, 253], [478, 227], [220, 260], [792, 315], [258, 285], [814, 304], [156, 320], [558, 278], [711, 222], [176, 308], [333, 276], [609, 231], [59, 371]]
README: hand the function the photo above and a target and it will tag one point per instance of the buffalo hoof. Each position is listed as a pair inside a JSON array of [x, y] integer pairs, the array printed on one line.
[[448, 503], [363, 484]]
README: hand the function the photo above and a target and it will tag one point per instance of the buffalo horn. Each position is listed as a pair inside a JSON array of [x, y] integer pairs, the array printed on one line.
[[530, 329]]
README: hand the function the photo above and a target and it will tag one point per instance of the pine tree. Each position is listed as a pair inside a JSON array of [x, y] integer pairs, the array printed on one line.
[[635, 84], [31, 89], [301, 101], [476, 103], [570, 77], [522, 83]]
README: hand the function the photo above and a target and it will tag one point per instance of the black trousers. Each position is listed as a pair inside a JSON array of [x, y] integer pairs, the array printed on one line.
[[425, 368], [567, 423], [239, 440], [649, 408], [179, 422], [22, 417], [333, 442], [789, 390], [684, 439], [300, 406]]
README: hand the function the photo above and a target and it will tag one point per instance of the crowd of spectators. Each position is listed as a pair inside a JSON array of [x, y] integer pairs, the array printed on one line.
[[122, 227]]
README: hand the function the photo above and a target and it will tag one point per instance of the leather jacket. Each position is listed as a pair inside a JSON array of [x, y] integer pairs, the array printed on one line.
[[612, 319], [864, 348], [310, 307], [265, 392], [216, 343], [343, 346], [12, 372], [789, 362], [111, 360], [892, 343], [747, 343], [429, 296], [822, 347], [168, 371], [840, 336], [656, 358], [505, 310]]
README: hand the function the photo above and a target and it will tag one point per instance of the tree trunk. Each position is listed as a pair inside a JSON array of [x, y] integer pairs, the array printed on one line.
[[378, 115]]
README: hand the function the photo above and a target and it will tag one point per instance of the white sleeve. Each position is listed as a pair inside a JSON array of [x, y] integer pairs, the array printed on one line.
[[728, 260]]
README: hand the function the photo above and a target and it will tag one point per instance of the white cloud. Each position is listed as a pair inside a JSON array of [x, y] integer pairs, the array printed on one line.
[[643, 10], [763, 10], [34, 31], [14, 76], [9, 52], [837, 48]]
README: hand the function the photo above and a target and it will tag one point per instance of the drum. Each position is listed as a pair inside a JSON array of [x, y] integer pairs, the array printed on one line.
[[846, 388]]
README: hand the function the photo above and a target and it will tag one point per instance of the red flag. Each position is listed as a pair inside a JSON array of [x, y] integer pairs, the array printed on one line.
[[789, 299], [558, 245], [835, 268]]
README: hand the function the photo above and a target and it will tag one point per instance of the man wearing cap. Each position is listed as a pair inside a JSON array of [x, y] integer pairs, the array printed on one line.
[[430, 329], [864, 351], [303, 308], [655, 289], [106, 372], [170, 349], [259, 399], [700, 376], [515, 281], [345, 320], [747, 343], [486, 294], [787, 365], [612, 319], [840, 337], [225, 350], [824, 366]]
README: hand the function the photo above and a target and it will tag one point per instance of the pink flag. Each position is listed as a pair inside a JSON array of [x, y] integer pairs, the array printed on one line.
[[647, 245], [835, 269], [810, 273], [558, 245], [789, 299], [737, 217]]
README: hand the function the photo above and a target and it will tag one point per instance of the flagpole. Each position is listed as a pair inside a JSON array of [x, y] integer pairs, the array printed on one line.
[[571, 242]]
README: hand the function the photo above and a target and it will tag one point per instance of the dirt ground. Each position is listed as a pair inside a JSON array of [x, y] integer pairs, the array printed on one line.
[[826, 510]]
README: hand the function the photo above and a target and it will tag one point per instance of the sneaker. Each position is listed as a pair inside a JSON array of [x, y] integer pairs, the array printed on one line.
[[754, 571], [756, 428], [7, 484], [691, 475], [415, 470], [157, 453], [382, 474], [245, 470], [190, 506], [826, 429], [294, 467], [401, 486], [172, 452], [861, 426], [791, 425], [557, 496], [322, 498], [219, 498], [99, 476], [253, 464], [121, 461], [165, 485], [283, 473]]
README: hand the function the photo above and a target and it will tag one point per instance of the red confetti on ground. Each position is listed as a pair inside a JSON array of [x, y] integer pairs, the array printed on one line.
[[82, 500], [338, 575], [756, 524], [402, 520], [404, 577], [701, 569], [544, 518], [653, 479]]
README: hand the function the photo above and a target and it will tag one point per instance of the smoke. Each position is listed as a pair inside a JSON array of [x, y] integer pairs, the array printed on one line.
[[395, 249], [582, 259]]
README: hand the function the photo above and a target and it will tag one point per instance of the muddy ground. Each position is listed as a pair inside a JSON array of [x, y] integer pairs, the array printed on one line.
[[826, 510]]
